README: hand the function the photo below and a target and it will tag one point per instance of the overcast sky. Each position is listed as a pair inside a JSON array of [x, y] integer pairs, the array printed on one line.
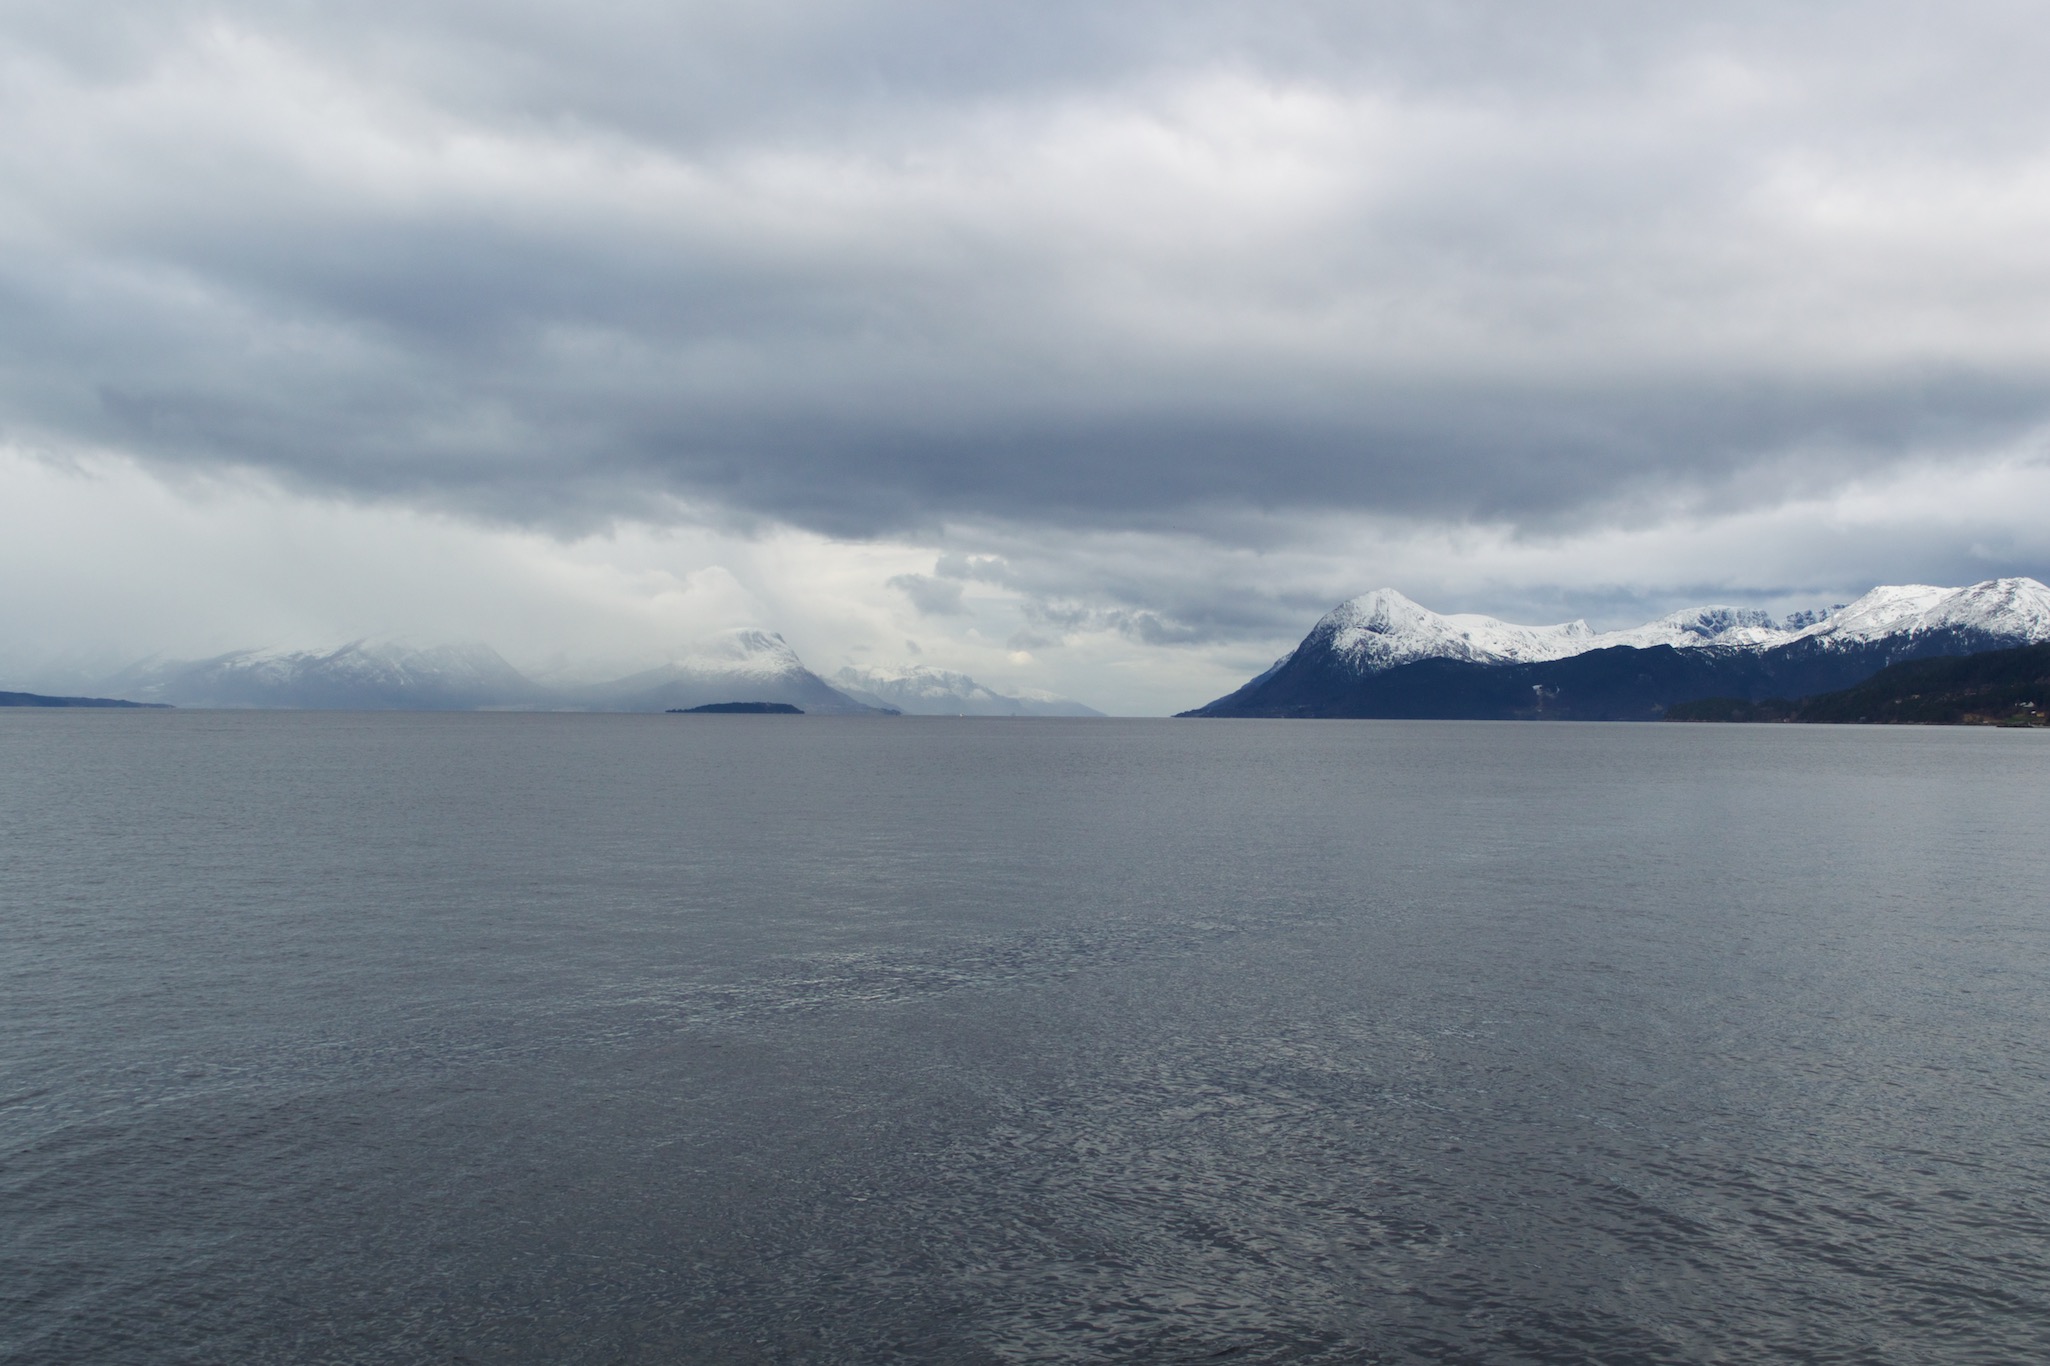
[[1091, 347]]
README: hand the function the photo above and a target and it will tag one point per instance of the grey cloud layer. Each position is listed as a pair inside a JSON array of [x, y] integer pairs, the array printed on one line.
[[875, 267]]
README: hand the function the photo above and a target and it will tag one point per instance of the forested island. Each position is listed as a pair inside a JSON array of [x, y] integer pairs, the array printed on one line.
[[739, 709]]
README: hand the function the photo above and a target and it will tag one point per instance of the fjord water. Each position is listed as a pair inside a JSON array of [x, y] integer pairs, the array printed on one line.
[[509, 1038]]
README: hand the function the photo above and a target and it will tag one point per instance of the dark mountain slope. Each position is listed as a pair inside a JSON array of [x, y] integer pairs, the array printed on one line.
[[1615, 684], [1999, 687]]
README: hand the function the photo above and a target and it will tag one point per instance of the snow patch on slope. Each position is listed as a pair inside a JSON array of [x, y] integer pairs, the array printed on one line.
[[1725, 627], [745, 652], [2015, 611]]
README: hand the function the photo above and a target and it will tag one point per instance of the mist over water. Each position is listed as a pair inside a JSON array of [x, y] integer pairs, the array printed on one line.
[[527, 1038]]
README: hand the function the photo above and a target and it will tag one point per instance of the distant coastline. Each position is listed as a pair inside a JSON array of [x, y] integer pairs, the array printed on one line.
[[34, 699]]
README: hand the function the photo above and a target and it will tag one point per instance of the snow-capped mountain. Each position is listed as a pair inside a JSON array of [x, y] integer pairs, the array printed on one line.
[[2002, 612], [743, 665], [366, 675], [920, 690], [1383, 629], [1362, 658]]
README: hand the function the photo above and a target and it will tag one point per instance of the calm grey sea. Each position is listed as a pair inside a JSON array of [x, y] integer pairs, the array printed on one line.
[[519, 1038]]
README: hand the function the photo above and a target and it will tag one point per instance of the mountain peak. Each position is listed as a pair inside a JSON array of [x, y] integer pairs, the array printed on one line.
[[2013, 611], [1386, 605], [1382, 629]]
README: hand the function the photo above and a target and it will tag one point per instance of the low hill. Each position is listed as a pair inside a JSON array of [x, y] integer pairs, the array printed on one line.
[[1997, 688]]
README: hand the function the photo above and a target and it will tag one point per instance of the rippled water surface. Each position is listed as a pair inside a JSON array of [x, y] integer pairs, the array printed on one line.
[[651, 1039]]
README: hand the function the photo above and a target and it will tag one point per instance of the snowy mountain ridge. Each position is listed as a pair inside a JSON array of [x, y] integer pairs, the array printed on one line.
[[1383, 629], [2015, 611]]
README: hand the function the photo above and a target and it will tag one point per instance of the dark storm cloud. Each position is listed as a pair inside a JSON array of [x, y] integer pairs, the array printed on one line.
[[873, 267]]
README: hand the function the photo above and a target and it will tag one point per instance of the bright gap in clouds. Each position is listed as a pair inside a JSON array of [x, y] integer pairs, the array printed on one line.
[[112, 562]]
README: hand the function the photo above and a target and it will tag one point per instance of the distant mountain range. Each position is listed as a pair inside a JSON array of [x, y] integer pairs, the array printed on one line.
[[363, 675], [923, 691], [1382, 655], [745, 665]]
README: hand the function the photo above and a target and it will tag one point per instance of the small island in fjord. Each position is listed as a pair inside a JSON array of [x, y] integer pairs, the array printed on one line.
[[739, 709]]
